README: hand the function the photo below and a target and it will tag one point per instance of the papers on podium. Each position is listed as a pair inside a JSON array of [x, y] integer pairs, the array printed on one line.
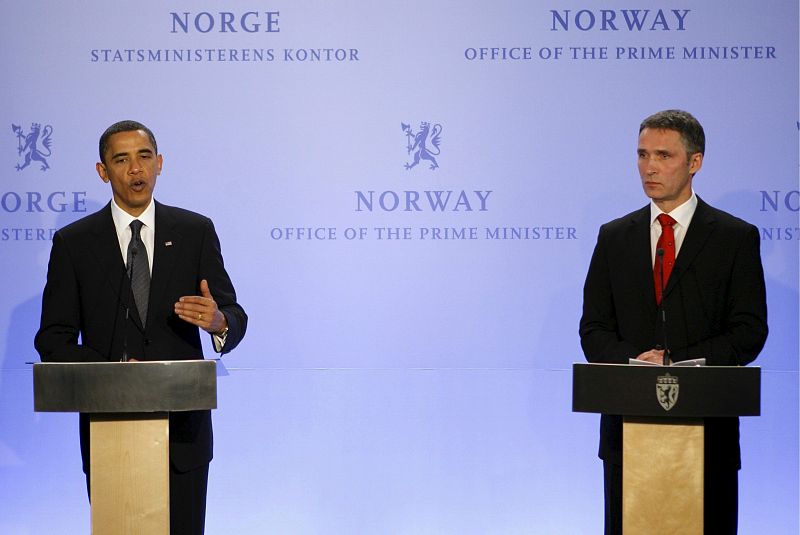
[[690, 363]]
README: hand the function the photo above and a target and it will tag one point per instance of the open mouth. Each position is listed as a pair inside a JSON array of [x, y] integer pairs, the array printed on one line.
[[138, 185]]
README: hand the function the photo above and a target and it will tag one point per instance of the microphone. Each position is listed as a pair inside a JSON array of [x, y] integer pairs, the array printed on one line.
[[129, 274], [124, 298], [134, 251], [660, 256], [121, 302]]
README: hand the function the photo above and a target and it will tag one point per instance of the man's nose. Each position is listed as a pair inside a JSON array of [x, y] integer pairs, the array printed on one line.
[[650, 166]]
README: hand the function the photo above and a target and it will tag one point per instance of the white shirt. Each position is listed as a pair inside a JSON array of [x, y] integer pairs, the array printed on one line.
[[122, 221], [683, 215]]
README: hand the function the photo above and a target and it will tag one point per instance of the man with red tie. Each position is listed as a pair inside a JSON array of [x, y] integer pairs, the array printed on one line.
[[702, 267]]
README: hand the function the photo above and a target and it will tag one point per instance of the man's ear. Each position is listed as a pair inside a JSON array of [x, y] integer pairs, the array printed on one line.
[[695, 162], [101, 170]]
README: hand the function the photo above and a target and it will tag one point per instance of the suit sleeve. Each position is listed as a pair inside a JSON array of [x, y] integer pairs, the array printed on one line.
[[742, 322], [212, 268], [57, 338], [599, 330]]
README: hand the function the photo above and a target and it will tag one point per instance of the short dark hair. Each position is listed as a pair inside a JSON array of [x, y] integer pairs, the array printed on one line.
[[124, 126], [683, 122]]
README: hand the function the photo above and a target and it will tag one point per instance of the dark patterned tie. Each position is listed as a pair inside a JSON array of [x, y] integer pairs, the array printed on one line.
[[139, 270], [666, 242]]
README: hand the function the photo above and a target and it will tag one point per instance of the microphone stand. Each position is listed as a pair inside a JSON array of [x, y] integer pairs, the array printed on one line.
[[129, 274], [660, 256]]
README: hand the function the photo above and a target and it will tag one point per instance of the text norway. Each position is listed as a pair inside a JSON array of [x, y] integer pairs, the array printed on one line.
[[631, 19], [412, 201]]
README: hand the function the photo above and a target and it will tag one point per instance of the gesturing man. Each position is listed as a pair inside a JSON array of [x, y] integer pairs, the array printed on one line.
[[136, 281]]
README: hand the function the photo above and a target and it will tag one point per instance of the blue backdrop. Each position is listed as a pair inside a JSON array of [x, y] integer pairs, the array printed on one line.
[[407, 365]]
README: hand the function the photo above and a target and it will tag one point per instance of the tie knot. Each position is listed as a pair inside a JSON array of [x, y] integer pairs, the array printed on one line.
[[664, 219], [136, 226]]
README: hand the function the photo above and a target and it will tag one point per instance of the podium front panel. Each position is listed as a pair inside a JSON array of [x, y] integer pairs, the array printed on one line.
[[120, 387], [667, 391]]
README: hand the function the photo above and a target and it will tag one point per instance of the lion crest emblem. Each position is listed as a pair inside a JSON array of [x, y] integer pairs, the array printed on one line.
[[667, 389], [35, 145], [423, 144]]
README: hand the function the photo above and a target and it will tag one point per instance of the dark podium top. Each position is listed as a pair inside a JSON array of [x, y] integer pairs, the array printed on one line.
[[114, 387], [667, 391]]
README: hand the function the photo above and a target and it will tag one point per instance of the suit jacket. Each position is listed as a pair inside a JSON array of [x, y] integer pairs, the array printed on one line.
[[715, 304], [88, 293]]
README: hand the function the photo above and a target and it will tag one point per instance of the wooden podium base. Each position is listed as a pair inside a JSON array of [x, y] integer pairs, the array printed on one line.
[[662, 476], [130, 474]]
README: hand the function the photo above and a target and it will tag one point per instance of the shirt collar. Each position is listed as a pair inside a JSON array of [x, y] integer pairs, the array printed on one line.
[[682, 214], [122, 219]]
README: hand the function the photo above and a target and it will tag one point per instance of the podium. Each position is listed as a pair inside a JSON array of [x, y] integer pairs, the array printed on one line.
[[663, 410], [128, 405]]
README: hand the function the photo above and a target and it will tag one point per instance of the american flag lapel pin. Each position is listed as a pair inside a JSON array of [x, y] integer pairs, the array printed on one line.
[[167, 244]]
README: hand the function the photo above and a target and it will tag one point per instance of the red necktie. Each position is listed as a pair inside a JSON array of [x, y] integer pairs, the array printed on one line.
[[666, 242]]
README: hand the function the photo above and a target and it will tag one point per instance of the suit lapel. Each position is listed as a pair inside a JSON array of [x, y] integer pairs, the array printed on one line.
[[105, 247], [697, 234], [642, 272], [166, 248]]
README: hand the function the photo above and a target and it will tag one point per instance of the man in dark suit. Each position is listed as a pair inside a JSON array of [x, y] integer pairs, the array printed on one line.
[[91, 294], [713, 295]]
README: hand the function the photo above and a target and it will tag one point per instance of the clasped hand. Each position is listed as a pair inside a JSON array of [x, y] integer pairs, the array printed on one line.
[[656, 356]]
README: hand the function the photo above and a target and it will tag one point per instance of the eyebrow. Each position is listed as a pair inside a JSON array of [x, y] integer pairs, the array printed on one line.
[[140, 151]]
